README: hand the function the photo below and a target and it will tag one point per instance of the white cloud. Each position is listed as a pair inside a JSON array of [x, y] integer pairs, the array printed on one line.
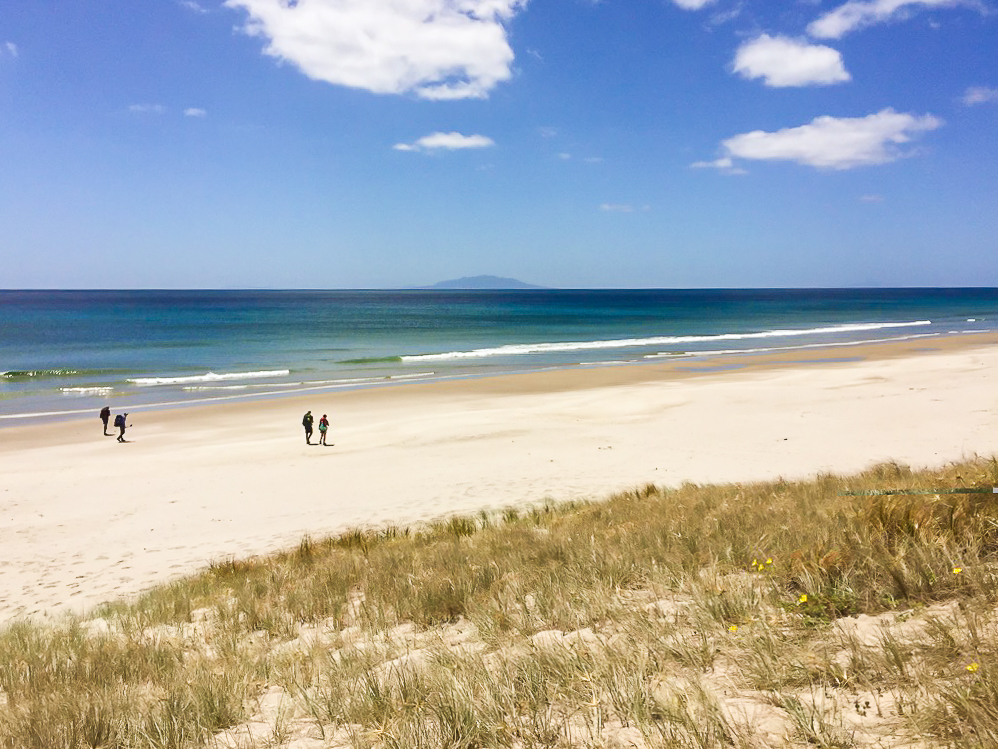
[[980, 95], [857, 14], [195, 112], [724, 165], [191, 5], [12, 48], [692, 4], [438, 49], [146, 108], [830, 142], [781, 62], [446, 141]]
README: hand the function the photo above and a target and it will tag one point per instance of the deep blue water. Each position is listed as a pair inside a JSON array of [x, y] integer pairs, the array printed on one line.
[[67, 352]]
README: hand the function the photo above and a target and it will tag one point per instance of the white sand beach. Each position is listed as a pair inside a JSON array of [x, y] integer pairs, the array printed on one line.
[[85, 519]]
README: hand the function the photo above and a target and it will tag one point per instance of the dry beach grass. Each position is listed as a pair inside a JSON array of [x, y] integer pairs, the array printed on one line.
[[733, 615]]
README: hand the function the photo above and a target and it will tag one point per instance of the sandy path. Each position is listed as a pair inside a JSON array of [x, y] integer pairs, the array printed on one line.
[[83, 519]]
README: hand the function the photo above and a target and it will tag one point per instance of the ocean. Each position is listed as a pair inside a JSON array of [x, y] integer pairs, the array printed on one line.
[[64, 354]]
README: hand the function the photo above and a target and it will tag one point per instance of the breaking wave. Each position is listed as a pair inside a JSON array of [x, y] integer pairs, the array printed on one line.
[[520, 349], [208, 377]]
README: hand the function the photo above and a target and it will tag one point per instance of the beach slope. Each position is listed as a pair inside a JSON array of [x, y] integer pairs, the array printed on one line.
[[86, 519]]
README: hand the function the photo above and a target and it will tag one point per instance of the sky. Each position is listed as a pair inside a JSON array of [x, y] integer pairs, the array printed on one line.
[[566, 143]]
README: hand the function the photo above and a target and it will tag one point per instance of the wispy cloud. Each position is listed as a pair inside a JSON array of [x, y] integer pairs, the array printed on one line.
[[722, 17], [622, 208], [692, 4], [782, 62], [980, 95], [437, 49], [446, 142], [725, 165], [830, 142], [194, 6], [11, 48], [146, 108], [195, 112], [857, 14], [871, 198]]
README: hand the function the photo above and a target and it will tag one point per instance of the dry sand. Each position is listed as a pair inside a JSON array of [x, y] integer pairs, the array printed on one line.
[[85, 519]]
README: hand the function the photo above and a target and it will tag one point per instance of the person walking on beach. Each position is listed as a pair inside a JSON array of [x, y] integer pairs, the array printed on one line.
[[119, 421], [307, 423], [105, 414], [323, 426]]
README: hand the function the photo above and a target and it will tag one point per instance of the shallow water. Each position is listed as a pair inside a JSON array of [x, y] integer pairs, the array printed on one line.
[[65, 353]]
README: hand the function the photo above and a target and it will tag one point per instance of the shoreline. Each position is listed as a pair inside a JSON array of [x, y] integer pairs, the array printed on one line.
[[88, 520], [755, 357]]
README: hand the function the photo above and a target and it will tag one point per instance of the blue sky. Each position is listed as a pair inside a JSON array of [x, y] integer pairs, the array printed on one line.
[[569, 143]]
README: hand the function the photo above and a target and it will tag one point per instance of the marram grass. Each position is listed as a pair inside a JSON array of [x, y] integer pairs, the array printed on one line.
[[743, 615]]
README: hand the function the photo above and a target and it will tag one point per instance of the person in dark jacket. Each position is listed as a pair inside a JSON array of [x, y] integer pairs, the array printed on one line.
[[119, 421], [105, 414], [307, 423]]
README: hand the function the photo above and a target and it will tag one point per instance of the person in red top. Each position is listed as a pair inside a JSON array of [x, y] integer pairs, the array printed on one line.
[[323, 427]]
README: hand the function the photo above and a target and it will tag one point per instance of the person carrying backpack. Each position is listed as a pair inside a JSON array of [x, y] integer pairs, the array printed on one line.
[[119, 421], [323, 426]]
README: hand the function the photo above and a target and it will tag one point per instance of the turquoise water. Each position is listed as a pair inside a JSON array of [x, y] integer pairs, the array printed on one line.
[[66, 353]]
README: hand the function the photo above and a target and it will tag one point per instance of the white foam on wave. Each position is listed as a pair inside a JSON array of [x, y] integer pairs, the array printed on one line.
[[769, 349], [519, 349], [329, 385], [209, 377], [87, 391], [310, 384], [199, 388]]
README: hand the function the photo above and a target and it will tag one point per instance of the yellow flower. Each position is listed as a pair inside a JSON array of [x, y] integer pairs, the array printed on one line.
[[957, 570], [972, 667], [733, 628], [769, 561], [802, 599]]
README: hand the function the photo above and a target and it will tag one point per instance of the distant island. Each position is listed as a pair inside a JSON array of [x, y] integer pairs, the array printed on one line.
[[482, 282]]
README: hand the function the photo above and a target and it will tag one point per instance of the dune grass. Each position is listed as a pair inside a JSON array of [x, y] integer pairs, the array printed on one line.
[[744, 615]]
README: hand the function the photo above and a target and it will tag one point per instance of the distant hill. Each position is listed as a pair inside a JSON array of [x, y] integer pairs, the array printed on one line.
[[483, 282]]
